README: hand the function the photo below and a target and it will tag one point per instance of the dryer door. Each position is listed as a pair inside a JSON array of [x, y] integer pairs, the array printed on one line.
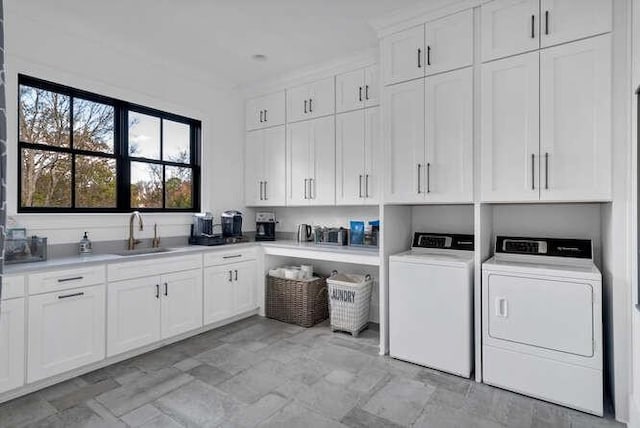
[[545, 313]]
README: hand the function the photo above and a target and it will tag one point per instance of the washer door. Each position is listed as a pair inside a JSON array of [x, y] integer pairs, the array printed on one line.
[[545, 313]]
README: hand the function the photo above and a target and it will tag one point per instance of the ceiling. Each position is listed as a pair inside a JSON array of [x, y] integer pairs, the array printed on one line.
[[220, 36]]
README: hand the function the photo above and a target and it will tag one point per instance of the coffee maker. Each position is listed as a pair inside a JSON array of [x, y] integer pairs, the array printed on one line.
[[265, 226], [231, 224]]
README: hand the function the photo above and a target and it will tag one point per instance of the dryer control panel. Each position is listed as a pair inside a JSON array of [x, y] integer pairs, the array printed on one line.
[[446, 241], [554, 247]]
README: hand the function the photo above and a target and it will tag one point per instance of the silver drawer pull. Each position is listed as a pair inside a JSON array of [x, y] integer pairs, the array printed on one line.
[[66, 296], [75, 278], [235, 256]]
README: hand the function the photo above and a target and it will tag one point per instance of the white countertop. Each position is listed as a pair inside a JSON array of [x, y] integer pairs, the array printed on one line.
[[306, 250]]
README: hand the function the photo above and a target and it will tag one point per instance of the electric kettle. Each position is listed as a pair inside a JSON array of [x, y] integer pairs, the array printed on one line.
[[304, 233]]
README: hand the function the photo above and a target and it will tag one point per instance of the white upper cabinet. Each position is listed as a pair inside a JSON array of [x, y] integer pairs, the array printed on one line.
[[567, 20], [311, 162], [403, 131], [181, 309], [449, 137], [357, 89], [509, 27], [265, 111], [356, 157], [312, 100], [575, 122], [510, 129], [403, 55], [449, 42], [265, 174], [12, 348]]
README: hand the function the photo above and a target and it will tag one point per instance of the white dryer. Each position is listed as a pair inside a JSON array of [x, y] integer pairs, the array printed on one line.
[[430, 303], [542, 321]]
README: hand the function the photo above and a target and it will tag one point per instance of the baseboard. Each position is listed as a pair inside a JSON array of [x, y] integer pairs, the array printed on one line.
[[634, 412]]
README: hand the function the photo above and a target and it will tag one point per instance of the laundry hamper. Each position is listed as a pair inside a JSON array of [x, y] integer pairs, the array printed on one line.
[[349, 301], [300, 302]]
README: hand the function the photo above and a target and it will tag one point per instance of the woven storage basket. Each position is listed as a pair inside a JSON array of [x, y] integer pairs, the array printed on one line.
[[349, 298], [303, 303]]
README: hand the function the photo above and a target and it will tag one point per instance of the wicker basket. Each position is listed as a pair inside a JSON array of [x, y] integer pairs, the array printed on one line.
[[350, 297], [303, 303]]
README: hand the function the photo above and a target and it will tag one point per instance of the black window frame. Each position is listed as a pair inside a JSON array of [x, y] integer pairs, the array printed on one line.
[[120, 151]]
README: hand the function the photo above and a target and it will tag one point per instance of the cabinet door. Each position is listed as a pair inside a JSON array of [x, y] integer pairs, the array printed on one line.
[[274, 165], [576, 121], [404, 135], [372, 86], [449, 42], [298, 104], [12, 349], [509, 27], [298, 156], [449, 136], [218, 293], [350, 90], [350, 158], [253, 168], [322, 97], [567, 20], [273, 109], [372, 158], [323, 161], [181, 308], [244, 286], [403, 55], [133, 314], [252, 114], [66, 331], [510, 129]]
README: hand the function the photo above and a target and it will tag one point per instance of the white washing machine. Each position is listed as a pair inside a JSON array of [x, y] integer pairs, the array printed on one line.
[[542, 321], [430, 303]]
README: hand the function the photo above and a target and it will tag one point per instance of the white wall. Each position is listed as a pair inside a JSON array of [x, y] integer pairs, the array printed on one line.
[[50, 48]]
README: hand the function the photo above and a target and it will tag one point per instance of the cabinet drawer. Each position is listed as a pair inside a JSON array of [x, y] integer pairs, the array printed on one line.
[[224, 257], [156, 266], [46, 282], [12, 286]]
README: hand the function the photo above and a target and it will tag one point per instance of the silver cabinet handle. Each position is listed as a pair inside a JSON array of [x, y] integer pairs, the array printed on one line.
[[428, 177], [360, 186], [260, 116], [305, 106], [360, 94], [235, 256], [366, 185], [428, 55], [305, 188], [230, 276], [66, 296], [74, 278], [265, 115], [265, 191], [533, 26], [236, 272], [546, 171], [166, 288], [310, 109], [419, 178], [366, 92], [533, 171], [419, 63], [311, 180], [157, 291], [546, 22], [260, 189]]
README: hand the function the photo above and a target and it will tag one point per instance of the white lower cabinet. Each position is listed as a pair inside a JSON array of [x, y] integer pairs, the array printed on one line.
[[144, 310], [229, 290], [66, 331], [12, 324]]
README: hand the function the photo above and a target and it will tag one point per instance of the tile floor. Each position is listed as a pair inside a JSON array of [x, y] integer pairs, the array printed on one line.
[[260, 372]]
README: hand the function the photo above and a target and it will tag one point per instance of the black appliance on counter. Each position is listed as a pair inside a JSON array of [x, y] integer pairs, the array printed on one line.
[[231, 224], [265, 226], [202, 231]]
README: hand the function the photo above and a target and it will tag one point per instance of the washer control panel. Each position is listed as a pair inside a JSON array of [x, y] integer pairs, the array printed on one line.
[[443, 241], [555, 247]]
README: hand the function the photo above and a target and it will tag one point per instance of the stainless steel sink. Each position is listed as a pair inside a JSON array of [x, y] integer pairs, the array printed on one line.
[[140, 251]]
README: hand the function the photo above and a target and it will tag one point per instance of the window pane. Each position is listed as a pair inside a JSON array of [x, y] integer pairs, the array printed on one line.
[[43, 117], [146, 185], [175, 141], [144, 136], [46, 179], [178, 187], [95, 182], [93, 126]]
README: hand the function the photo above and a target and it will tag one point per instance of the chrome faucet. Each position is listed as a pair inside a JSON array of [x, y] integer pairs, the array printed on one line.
[[132, 241]]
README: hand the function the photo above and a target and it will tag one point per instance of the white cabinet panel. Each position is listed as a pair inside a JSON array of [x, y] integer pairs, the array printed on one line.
[[13, 286], [576, 120], [372, 86], [350, 88], [372, 155], [509, 27], [350, 161], [265, 174], [218, 257], [253, 114], [298, 158], [323, 162], [66, 331], [567, 20], [12, 349], [449, 42], [244, 286], [403, 55], [64, 279], [510, 129], [253, 167], [181, 302], [449, 136], [133, 314], [312, 100], [404, 136], [265, 111], [218, 293], [298, 103]]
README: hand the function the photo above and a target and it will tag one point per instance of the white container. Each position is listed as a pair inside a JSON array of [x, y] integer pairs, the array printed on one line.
[[349, 301]]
